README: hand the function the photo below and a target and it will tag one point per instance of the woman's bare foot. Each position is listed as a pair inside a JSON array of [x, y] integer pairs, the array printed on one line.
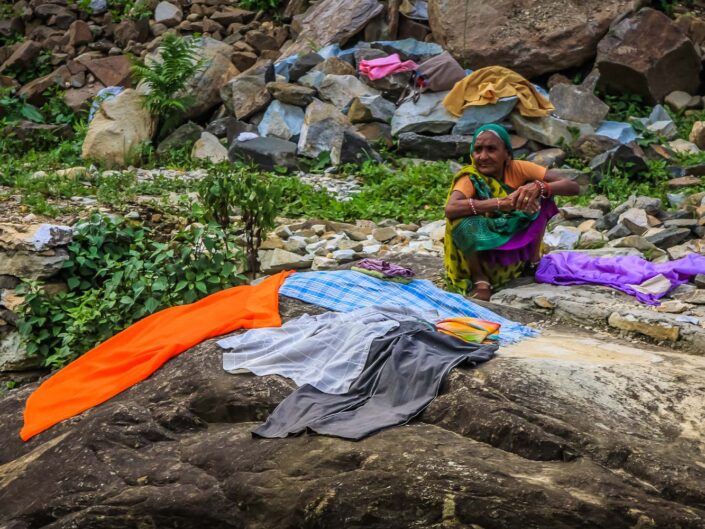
[[482, 291]]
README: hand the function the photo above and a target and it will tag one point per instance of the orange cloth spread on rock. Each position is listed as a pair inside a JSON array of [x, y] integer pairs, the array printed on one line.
[[487, 85], [518, 173], [135, 353]]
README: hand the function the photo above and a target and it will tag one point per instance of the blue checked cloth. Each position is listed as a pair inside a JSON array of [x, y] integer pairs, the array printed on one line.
[[347, 290]]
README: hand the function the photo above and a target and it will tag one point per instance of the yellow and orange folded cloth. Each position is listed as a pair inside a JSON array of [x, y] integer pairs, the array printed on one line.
[[488, 85], [473, 330]]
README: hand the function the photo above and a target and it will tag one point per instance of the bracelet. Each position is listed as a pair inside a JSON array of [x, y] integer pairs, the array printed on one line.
[[472, 206]]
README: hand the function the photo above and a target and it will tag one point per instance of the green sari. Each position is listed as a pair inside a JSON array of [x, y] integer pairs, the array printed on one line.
[[481, 232]]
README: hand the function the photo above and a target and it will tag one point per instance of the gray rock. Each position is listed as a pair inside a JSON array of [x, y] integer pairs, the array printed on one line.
[[699, 280], [628, 158], [323, 129], [354, 149], [247, 93], [562, 238], [184, 136], [584, 387], [208, 147], [668, 237], [618, 231], [229, 127], [365, 109], [391, 86], [548, 158], [302, 65], [13, 356], [681, 146], [282, 121], [427, 115], [434, 147], [475, 116], [549, 130], [33, 237], [635, 220], [602, 203], [340, 90], [168, 14], [206, 85], [680, 101], [577, 212], [273, 261], [265, 152], [574, 103], [291, 94], [651, 205], [651, 67], [332, 21], [593, 145], [312, 79], [32, 265], [409, 48]]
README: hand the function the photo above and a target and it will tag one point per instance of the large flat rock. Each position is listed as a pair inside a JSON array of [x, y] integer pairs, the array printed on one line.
[[564, 430]]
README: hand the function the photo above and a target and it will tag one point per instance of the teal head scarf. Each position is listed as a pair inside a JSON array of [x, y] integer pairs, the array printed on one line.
[[499, 130]]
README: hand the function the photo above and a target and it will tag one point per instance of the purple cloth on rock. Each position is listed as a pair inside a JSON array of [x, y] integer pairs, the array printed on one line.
[[620, 272], [388, 269], [523, 245]]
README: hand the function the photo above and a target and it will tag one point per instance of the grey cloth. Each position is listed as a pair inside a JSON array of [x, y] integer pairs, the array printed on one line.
[[403, 374], [327, 351]]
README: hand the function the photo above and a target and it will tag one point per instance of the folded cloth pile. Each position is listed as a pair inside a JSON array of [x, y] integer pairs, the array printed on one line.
[[384, 66], [384, 270], [472, 330]]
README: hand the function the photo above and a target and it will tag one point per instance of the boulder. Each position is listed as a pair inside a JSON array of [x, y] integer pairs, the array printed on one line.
[[549, 130], [376, 132], [587, 147], [80, 99], [207, 147], [33, 237], [548, 157], [409, 49], [443, 147], [168, 14], [681, 146], [32, 264], [365, 109], [118, 128], [23, 56], [178, 446], [183, 137], [266, 153], [206, 85], [334, 66], [340, 90], [110, 71], [332, 21], [13, 356], [79, 33], [530, 37], [391, 86], [247, 93], [629, 158], [562, 238], [282, 121], [302, 65], [353, 149], [668, 237], [426, 115], [291, 94], [575, 103], [635, 220], [652, 67], [477, 115], [323, 129]]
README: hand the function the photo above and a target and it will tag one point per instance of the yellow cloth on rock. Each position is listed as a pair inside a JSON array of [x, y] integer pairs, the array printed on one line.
[[487, 85]]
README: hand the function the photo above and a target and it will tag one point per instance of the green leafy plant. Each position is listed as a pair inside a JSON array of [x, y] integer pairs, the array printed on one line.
[[166, 78], [229, 189], [261, 5], [624, 106], [14, 108], [116, 274]]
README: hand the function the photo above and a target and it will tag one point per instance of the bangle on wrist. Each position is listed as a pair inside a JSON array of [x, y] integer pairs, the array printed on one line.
[[471, 202]]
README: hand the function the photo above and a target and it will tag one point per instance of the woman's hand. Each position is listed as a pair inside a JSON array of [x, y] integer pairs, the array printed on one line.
[[525, 198], [506, 204]]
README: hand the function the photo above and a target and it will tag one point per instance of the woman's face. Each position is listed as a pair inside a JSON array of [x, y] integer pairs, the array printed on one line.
[[490, 155]]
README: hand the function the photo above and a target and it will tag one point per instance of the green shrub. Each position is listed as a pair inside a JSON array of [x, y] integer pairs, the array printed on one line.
[[117, 274], [166, 78], [261, 5], [231, 189]]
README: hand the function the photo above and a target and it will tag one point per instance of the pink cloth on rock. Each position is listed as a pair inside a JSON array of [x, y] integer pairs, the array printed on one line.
[[384, 66]]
